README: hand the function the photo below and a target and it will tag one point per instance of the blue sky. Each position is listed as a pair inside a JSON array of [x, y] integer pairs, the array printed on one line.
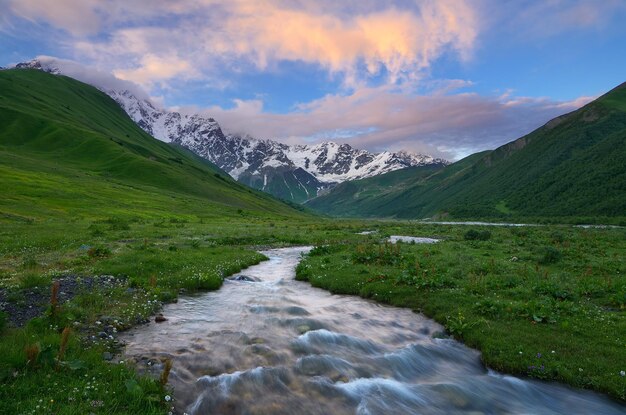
[[445, 77]]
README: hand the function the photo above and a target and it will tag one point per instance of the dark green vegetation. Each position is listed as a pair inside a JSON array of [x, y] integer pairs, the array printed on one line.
[[293, 185], [548, 303], [574, 166], [363, 197]]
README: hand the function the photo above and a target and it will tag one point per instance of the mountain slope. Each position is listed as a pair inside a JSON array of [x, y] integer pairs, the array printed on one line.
[[66, 139], [575, 165], [362, 197]]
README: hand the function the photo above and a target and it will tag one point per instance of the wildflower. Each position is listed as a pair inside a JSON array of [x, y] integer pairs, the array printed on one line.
[[622, 373], [553, 352], [580, 369], [168, 398], [538, 355]]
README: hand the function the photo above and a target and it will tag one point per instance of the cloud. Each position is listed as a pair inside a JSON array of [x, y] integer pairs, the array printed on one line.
[[447, 125], [100, 79], [540, 19], [157, 68], [79, 17], [356, 40]]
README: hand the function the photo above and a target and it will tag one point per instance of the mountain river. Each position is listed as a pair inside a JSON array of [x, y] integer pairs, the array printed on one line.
[[267, 344]]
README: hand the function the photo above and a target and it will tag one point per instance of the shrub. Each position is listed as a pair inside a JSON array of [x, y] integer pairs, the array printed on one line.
[[117, 224], [3, 321], [387, 254], [549, 255], [33, 279], [99, 252], [619, 298], [489, 307], [474, 235], [322, 250], [458, 325]]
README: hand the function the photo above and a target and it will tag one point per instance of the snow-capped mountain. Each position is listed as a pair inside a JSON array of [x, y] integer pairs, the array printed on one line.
[[36, 64], [296, 172]]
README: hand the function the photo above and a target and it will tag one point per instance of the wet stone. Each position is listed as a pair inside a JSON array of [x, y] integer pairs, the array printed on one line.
[[303, 328], [159, 318], [242, 278], [297, 311]]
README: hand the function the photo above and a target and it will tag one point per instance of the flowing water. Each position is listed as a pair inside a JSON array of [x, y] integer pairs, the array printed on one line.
[[267, 344]]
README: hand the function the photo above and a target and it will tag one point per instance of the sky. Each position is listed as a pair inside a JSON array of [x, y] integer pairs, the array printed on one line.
[[440, 77]]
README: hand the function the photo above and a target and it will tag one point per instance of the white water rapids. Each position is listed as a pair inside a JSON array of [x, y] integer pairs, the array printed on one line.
[[279, 346]]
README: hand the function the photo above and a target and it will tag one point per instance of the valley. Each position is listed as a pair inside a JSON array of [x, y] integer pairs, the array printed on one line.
[[105, 231]]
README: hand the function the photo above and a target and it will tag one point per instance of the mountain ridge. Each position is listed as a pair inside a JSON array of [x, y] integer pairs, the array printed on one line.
[[57, 130], [296, 173], [574, 165]]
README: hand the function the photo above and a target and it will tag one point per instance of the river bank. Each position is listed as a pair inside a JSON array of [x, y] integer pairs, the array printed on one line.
[[265, 343], [538, 303]]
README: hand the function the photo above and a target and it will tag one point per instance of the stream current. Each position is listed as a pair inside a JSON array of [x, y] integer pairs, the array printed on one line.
[[267, 344]]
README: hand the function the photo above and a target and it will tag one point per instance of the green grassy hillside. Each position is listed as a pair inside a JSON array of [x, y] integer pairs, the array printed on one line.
[[67, 148], [575, 165], [369, 197]]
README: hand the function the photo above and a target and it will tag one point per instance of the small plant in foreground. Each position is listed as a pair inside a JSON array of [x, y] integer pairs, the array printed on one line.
[[54, 298], [33, 279], [3, 321], [457, 325], [98, 252], [32, 354], [538, 370], [167, 367], [65, 336]]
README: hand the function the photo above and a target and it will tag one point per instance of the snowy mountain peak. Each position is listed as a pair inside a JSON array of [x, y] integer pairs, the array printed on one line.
[[37, 64]]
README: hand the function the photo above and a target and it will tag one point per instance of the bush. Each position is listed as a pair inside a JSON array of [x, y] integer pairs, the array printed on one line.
[[549, 255], [474, 235], [33, 279], [118, 224], [3, 321], [98, 252], [322, 250]]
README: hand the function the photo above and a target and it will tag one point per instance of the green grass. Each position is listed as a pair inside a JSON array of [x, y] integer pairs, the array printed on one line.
[[84, 384], [530, 297]]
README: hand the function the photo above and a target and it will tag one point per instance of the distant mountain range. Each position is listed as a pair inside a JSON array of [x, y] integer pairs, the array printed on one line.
[[575, 165], [296, 173]]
